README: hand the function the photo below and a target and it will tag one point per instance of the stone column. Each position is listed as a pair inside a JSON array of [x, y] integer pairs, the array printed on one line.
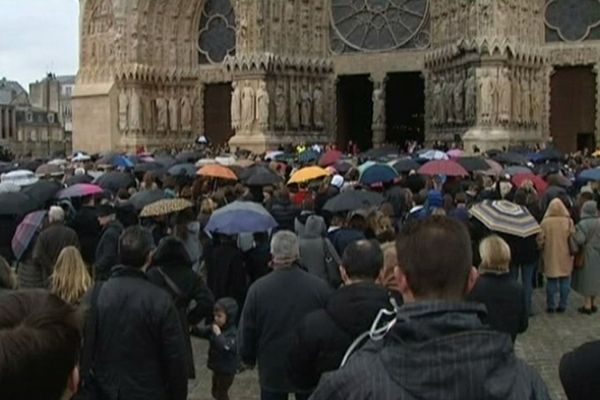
[[7, 121], [378, 125]]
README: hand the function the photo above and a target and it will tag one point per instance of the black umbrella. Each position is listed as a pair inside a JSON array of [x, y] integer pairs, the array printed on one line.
[[115, 180], [406, 165], [42, 191], [186, 169], [547, 169], [31, 165], [550, 154], [473, 163], [16, 203], [165, 160], [353, 200], [188, 157], [379, 153], [153, 166], [263, 177], [75, 179], [511, 158], [145, 197]]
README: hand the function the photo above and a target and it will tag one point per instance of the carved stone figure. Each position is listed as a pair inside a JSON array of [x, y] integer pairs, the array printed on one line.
[[438, 102], [378, 105], [318, 108], [248, 112], [448, 95], [135, 110], [504, 96], [459, 98], [470, 97], [262, 105], [536, 101], [294, 107], [123, 110], [162, 109], [517, 116], [305, 106], [173, 114], [487, 97], [280, 106], [186, 113], [236, 106], [525, 99], [147, 112]]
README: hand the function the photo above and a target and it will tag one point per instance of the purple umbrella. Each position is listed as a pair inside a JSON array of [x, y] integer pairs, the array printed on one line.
[[26, 231], [79, 190]]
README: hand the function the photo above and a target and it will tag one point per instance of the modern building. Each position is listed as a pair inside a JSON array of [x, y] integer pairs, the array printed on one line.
[[262, 72]]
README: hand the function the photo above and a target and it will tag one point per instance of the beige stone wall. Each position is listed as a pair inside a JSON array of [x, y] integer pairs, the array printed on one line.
[[95, 118]]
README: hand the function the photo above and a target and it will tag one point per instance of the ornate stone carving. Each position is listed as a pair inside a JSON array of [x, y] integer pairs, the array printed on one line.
[[470, 96], [148, 112], [378, 104], [437, 115], [504, 96], [305, 106], [186, 113], [318, 107], [174, 113], [525, 98], [135, 110], [123, 110], [459, 97], [487, 96], [262, 105], [294, 106], [248, 111], [280, 106], [162, 109], [448, 95], [236, 106]]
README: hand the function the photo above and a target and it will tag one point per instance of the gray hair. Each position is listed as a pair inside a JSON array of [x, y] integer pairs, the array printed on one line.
[[285, 248], [56, 214]]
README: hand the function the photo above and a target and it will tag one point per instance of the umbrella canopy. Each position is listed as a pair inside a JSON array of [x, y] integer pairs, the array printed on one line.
[[25, 232], [547, 169], [443, 167], [342, 166], [308, 174], [377, 174], [226, 160], [144, 167], [455, 153], [217, 171], [50, 169], [187, 169], [115, 181], [20, 177], [363, 167], [547, 155], [9, 187], [165, 207], [165, 161], [16, 204], [79, 190], [540, 184], [381, 152], [511, 158], [188, 157], [241, 217], [146, 197], [262, 176], [494, 168], [330, 158], [244, 163], [29, 165], [406, 165], [272, 155], [42, 192], [434, 155], [516, 169], [80, 157], [308, 156], [116, 160], [81, 178], [590, 175], [472, 164], [505, 217], [351, 200]]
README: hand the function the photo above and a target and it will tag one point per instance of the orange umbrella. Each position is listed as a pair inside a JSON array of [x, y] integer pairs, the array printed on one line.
[[217, 171], [308, 174]]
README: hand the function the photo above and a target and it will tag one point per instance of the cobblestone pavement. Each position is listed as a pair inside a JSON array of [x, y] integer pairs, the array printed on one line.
[[547, 339]]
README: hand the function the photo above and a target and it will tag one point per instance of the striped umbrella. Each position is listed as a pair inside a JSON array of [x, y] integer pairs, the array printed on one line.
[[505, 217], [241, 217]]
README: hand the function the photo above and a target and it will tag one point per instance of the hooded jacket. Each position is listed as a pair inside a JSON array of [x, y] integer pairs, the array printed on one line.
[[223, 356], [316, 251], [436, 350], [323, 336], [557, 226]]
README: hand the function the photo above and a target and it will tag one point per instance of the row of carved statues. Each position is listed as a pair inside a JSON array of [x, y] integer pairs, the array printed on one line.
[[296, 105], [488, 96], [169, 111]]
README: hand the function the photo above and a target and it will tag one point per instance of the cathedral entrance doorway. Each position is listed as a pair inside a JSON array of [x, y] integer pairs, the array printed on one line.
[[573, 108], [217, 113], [405, 107], [355, 111]]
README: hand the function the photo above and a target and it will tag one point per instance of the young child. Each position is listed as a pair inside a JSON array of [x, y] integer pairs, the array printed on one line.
[[223, 358]]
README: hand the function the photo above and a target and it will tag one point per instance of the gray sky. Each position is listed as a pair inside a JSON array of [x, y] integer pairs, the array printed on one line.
[[36, 37]]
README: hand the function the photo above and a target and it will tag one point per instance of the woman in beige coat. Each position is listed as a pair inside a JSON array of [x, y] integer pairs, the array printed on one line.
[[557, 226]]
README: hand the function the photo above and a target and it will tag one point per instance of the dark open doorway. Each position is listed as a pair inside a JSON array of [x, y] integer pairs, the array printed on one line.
[[217, 113], [355, 111], [573, 108], [405, 108]]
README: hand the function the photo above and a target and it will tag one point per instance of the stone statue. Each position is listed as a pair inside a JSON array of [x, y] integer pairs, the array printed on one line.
[[236, 106], [135, 110], [123, 110], [378, 105], [280, 108], [305, 106], [517, 116], [504, 96], [459, 98], [487, 95], [437, 108], [470, 97], [262, 105], [525, 98], [162, 120], [294, 107], [186, 113], [536, 101], [173, 114], [248, 112], [318, 107], [147, 112], [448, 96]]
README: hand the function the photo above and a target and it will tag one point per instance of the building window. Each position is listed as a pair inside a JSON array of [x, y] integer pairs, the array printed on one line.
[[29, 116], [216, 38], [51, 118]]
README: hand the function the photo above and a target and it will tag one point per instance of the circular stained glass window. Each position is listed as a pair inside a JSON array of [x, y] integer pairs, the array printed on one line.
[[377, 25]]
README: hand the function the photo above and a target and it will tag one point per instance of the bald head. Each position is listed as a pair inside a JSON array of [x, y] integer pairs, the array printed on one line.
[[363, 260]]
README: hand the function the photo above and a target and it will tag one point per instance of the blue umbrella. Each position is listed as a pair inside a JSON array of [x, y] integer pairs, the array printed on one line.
[[241, 217], [308, 156], [378, 173], [590, 175], [186, 169]]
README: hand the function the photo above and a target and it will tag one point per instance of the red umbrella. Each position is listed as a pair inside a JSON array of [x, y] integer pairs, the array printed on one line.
[[539, 183], [443, 167], [330, 158]]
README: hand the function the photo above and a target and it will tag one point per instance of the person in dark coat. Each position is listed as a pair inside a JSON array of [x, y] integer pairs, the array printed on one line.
[[223, 358], [503, 297], [274, 305], [438, 348], [258, 257], [9, 224], [171, 269], [352, 231], [107, 252], [226, 276], [579, 372], [51, 241], [317, 254], [283, 210], [88, 229], [323, 336], [140, 349]]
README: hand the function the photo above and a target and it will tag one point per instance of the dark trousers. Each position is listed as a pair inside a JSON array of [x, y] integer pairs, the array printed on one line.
[[220, 385], [266, 395]]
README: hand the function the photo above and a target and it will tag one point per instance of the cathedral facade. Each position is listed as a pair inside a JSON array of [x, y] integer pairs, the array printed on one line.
[[258, 73]]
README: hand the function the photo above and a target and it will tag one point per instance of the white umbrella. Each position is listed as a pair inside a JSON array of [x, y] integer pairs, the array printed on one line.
[[20, 178]]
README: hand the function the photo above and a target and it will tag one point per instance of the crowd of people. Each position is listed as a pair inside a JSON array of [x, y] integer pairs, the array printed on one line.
[[403, 292]]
